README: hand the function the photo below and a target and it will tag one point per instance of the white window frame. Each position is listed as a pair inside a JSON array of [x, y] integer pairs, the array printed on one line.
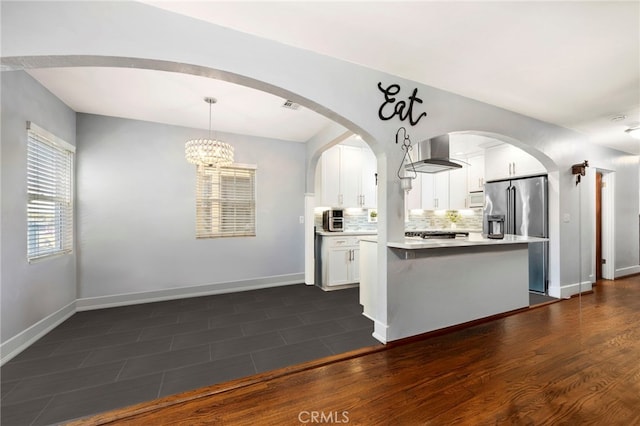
[[50, 182], [226, 201]]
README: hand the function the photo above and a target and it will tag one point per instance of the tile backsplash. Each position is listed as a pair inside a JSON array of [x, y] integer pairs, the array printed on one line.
[[353, 219], [418, 220], [471, 220]]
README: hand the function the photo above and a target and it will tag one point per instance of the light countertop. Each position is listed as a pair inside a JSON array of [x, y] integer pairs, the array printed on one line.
[[346, 233], [474, 239], [358, 232]]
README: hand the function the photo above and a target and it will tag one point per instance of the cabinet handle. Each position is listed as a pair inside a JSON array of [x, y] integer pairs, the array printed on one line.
[[362, 203], [514, 168], [340, 199], [509, 169]]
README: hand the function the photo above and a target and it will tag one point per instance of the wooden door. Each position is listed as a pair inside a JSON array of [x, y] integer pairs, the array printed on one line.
[[598, 258]]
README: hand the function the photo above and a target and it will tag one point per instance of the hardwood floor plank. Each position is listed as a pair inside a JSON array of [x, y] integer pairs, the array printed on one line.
[[572, 362]]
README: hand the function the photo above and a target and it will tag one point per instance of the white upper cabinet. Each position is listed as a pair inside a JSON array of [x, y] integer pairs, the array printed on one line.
[[435, 191], [458, 188], [413, 199], [439, 191], [369, 186], [506, 161], [348, 177], [330, 178], [475, 173]]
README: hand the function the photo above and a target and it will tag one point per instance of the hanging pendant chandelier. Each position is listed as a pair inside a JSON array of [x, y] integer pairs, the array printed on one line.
[[208, 152]]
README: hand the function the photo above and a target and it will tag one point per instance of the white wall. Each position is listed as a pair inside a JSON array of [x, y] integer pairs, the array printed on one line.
[[136, 214], [29, 292]]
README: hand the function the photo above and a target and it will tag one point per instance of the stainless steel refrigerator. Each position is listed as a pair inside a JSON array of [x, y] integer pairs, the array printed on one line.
[[524, 204]]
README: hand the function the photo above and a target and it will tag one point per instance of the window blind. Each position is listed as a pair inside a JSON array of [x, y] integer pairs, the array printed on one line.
[[225, 202], [49, 193]]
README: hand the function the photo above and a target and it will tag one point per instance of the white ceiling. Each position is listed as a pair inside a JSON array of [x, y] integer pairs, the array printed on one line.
[[575, 64], [178, 99]]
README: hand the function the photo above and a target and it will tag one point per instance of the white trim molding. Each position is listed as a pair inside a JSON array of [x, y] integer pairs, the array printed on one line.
[[380, 331], [100, 302], [309, 238], [623, 272], [21, 341], [568, 290]]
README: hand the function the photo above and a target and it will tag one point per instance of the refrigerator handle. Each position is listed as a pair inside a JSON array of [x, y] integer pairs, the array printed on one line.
[[507, 221], [512, 206]]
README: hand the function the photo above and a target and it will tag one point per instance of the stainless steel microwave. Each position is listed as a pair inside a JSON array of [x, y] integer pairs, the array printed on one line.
[[333, 220], [475, 199]]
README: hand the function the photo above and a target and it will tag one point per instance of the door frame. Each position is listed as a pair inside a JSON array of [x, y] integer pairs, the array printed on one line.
[[608, 224], [598, 233]]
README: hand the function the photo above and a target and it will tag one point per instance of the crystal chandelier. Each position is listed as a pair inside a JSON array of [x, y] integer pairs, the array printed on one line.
[[208, 152]]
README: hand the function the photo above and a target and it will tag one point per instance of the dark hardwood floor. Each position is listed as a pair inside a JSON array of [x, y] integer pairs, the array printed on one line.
[[575, 362]]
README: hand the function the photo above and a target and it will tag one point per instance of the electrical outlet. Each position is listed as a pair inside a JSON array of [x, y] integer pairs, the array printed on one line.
[[301, 219], [566, 218]]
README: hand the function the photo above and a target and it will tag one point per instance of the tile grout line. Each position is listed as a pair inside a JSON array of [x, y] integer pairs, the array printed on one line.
[[42, 411], [253, 361], [161, 385], [121, 370]]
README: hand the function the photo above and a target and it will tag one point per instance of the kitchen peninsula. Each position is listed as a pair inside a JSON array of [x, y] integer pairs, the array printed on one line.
[[444, 282]]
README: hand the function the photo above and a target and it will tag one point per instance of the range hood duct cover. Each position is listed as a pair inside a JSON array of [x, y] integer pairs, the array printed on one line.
[[434, 156]]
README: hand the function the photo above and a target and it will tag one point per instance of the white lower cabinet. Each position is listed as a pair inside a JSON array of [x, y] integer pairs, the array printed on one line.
[[340, 260]]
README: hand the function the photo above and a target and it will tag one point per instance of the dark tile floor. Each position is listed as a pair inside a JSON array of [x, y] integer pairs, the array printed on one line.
[[538, 299], [110, 358]]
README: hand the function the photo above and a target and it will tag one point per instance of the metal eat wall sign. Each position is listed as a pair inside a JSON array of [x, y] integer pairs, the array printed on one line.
[[390, 108]]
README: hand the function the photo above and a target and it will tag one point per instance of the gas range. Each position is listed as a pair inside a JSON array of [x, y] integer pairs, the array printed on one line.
[[435, 234]]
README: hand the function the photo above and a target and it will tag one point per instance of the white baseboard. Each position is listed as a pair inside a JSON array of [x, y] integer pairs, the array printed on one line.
[[568, 290], [380, 331], [623, 272], [23, 340], [91, 303]]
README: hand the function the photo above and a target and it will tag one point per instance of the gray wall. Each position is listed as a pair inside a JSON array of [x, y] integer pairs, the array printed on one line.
[[29, 292], [136, 211]]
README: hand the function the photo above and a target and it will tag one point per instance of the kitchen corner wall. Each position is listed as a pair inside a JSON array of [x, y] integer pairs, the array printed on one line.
[[136, 214]]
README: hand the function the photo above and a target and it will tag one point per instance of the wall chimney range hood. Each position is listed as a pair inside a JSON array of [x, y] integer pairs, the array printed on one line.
[[434, 156]]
